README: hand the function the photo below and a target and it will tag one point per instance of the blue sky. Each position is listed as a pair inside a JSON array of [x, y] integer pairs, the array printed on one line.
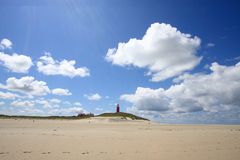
[[84, 31]]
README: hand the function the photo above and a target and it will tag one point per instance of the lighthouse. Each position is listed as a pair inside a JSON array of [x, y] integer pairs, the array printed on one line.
[[117, 108]]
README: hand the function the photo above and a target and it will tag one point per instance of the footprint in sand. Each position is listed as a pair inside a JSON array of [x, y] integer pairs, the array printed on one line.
[[27, 152], [66, 152]]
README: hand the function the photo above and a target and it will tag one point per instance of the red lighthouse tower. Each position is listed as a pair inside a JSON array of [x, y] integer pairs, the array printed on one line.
[[117, 108]]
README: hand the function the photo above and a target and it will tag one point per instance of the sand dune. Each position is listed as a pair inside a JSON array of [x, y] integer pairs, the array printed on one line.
[[114, 138]]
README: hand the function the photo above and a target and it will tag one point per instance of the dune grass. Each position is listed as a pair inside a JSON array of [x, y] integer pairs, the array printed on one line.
[[81, 116], [44, 117], [123, 115]]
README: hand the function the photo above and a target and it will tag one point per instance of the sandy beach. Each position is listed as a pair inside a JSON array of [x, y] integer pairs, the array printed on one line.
[[101, 138]]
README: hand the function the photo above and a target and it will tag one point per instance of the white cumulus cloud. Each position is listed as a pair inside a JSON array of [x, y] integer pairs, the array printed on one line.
[[61, 92], [163, 50], [93, 97], [26, 85], [48, 103], [15, 62], [44, 103], [55, 100], [5, 43], [48, 66], [216, 92], [148, 99], [8, 95], [77, 104], [24, 103]]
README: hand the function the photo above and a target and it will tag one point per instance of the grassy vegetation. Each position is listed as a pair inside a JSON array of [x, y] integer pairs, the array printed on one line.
[[80, 116], [46, 117], [123, 115]]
